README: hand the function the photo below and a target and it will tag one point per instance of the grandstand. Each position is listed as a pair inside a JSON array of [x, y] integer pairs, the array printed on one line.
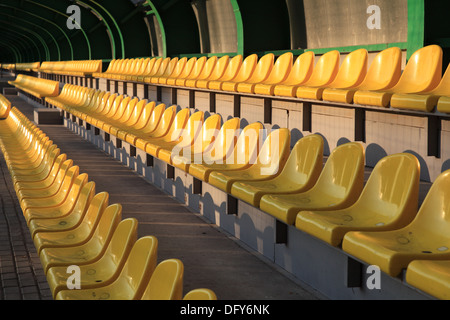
[[224, 150]]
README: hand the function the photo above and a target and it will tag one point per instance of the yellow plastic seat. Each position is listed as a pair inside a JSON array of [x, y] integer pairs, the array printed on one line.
[[322, 74], [182, 139], [214, 152], [106, 269], [263, 71], [132, 279], [118, 128], [338, 186], [146, 118], [182, 156], [65, 217], [162, 127], [300, 72], [279, 74], [230, 72], [167, 63], [422, 73], [196, 70], [38, 173], [172, 72], [166, 282], [300, 173], [190, 64], [388, 201], [88, 252], [351, 73], [58, 205], [200, 294], [213, 67], [269, 163], [427, 237], [74, 236], [244, 151], [245, 72], [430, 276], [126, 119], [425, 101], [384, 73], [226, 68], [5, 107]]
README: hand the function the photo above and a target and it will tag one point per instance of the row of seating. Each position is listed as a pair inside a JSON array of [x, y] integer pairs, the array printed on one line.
[[418, 87], [80, 68], [71, 225], [22, 66], [37, 87], [5, 107], [330, 202]]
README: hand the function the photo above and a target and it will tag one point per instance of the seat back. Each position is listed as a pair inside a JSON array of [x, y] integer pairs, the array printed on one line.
[[162, 67], [166, 282], [434, 213], [188, 68], [325, 69], [393, 188], [178, 69], [126, 115], [136, 113], [219, 68], [262, 69], [206, 71], [5, 107], [155, 118], [145, 115], [193, 128], [247, 68], [122, 106], [232, 69], [274, 152], [305, 161], [224, 142], [84, 199], [179, 124], [353, 70], [198, 67], [139, 267], [342, 177], [384, 71], [422, 72], [165, 122], [281, 68], [149, 66], [247, 145], [170, 67]]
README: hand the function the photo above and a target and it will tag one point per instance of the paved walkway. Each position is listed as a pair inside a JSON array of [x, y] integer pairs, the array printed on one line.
[[212, 258]]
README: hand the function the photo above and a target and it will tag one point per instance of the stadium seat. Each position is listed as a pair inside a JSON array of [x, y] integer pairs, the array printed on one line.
[[422, 73], [132, 280], [279, 73], [75, 236], [158, 125], [425, 238], [165, 68], [37, 87], [183, 139], [388, 201], [323, 73], [166, 282], [230, 73], [300, 73], [300, 173], [384, 73], [106, 269], [245, 72], [338, 186], [211, 130], [262, 71], [351, 73], [222, 72], [244, 152], [260, 74], [172, 136], [197, 69], [425, 101], [200, 294], [88, 252], [187, 69], [210, 72], [430, 276], [5, 107], [269, 163], [67, 216]]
